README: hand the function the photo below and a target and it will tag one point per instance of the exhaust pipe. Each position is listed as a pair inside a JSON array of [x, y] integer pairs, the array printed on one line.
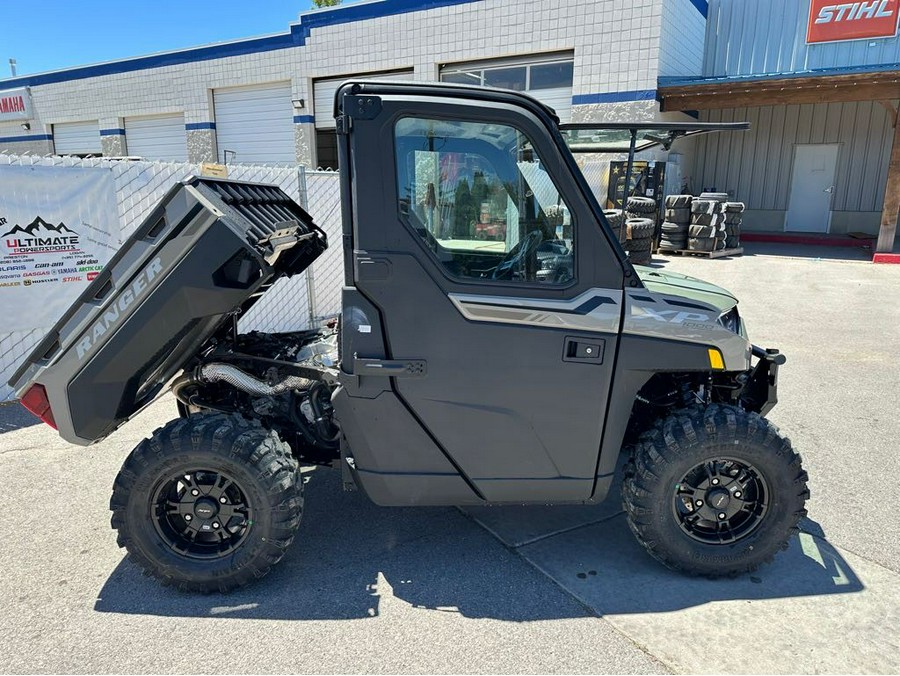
[[210, 373]]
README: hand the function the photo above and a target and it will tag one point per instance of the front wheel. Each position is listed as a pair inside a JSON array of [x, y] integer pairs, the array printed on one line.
[[208, 503], [714, 491]]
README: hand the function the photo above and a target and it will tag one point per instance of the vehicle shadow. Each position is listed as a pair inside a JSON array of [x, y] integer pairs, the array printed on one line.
[[351, 560], [618, 577], [14, 417]]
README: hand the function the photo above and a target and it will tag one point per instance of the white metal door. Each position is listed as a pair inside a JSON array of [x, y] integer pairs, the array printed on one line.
[[324, 90], [812, 187], [157, 138], [255, 124], [77, 138]]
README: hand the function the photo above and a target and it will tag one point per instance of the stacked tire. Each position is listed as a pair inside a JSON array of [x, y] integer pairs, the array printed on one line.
[[640, 226], [734, 216], [639, 242], [707, 229], [616, 220], [641, 207], [678, 220]]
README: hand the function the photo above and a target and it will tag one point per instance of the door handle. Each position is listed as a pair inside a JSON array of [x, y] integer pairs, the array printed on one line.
[[390, 368], [829, 190], [588, 351]]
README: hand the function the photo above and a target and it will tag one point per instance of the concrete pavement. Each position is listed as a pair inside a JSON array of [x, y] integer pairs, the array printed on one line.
[[362, 589]]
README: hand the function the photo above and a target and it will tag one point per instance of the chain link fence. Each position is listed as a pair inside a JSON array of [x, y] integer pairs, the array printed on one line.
[[323, 200], [291, 304]]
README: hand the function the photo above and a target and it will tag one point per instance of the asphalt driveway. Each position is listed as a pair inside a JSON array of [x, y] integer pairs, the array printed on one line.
[[511, 590]]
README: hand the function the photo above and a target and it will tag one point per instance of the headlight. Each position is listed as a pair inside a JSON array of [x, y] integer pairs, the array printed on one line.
[[731, 320]]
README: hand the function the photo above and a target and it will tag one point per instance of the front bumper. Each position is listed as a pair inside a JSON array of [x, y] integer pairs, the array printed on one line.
[[760, 392]]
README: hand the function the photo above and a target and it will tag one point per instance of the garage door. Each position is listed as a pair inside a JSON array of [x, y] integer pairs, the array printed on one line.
[[324, 90], [77, 138], [255, 124], [157, 138], [559, 98]]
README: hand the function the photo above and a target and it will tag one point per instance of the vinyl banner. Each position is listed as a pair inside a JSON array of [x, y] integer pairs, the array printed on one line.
[[58, 227]]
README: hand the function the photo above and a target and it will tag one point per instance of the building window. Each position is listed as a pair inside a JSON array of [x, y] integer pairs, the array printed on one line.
[[551, 75], [326, 149], [524, 77], [507, 78], [479, 197]]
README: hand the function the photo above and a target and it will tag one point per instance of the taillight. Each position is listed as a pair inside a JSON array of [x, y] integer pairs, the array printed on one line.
[[36, 401]]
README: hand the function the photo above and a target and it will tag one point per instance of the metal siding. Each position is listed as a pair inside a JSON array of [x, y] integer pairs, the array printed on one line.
[[761, 159], [729, 149], [847, 126], [860, 158], [757, 165], [885, 148], [786, 159], [748, 142], [817, 133], [755, 32], [711, 148], [804, 125], [873, 155], [753, 37], [774, 144]]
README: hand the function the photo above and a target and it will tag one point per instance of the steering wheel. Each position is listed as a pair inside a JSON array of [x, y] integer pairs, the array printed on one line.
[[518, 255]]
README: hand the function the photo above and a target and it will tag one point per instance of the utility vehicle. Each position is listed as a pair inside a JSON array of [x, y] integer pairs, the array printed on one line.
[[459, 374]]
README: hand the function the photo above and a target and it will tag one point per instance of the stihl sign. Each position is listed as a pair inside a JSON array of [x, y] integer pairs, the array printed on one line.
[[831, 21], [15, 104]]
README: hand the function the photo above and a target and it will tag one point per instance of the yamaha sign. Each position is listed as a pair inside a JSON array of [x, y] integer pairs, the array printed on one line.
[[15, 105], [831, 21]]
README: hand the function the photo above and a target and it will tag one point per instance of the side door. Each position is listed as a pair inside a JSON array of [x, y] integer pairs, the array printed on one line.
[[469, 229], [812, 187]]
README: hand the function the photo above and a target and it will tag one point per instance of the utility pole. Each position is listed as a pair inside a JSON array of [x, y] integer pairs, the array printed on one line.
[[12, 67]]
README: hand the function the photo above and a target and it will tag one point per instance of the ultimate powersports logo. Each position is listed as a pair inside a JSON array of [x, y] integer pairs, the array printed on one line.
[[43, 252], [40, 237]]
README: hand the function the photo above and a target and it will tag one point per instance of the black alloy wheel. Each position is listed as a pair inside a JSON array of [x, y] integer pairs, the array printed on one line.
[[201, 513], [720, 501]]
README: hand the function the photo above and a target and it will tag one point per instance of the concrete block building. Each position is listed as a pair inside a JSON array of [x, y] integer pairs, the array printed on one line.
[[269, 98]]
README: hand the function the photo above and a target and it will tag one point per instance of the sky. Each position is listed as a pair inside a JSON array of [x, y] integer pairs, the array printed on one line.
[[56, 34]]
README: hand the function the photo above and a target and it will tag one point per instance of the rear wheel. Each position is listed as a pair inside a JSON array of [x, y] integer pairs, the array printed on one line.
[[208, 503], [715, 491]]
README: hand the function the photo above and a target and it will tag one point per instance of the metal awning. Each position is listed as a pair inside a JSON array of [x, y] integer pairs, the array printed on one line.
[[631, 138], [628, 137]]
